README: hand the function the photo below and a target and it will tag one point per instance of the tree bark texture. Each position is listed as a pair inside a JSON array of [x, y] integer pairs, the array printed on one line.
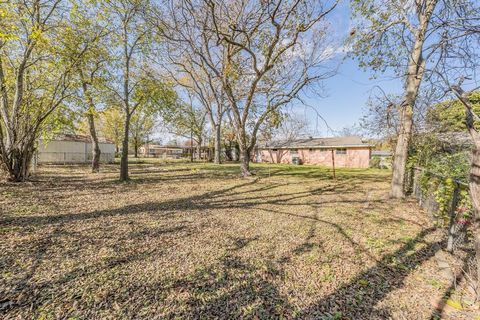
[[124, 158], [475, 195], [218, 145], [415, 72], [199, 150], [95, 144], [245, 162], [18, 165]]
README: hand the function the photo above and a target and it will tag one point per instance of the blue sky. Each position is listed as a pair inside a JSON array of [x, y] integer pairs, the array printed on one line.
[[346, 97], [347, 93]]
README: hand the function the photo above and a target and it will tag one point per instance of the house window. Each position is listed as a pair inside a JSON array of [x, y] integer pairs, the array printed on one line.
[[274, 150], [311, 150], [341, 151]]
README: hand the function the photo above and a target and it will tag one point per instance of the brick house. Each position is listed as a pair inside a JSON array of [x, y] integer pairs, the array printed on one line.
[[348, 152]]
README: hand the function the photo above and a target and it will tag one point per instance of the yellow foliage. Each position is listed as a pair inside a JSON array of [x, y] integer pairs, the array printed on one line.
[[454, 304]]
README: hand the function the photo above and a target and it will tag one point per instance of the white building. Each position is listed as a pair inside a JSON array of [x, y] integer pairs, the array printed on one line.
[[69, 148]]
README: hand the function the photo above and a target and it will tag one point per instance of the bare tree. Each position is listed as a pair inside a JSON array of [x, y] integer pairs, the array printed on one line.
[[285, 129], [458, 69], [88, 27], [263, 54], [197, 79]]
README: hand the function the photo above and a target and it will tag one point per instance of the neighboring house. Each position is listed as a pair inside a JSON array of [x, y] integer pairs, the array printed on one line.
[[70, 148], [158, 151], [350, 152]]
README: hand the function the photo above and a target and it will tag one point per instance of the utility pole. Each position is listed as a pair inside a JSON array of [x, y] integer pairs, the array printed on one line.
[[333, 164]]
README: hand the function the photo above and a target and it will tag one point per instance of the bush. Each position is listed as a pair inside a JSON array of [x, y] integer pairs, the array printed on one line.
[[377, 162]]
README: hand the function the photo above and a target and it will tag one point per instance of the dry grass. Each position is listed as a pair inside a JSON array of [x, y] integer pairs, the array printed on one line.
[[195, 241]]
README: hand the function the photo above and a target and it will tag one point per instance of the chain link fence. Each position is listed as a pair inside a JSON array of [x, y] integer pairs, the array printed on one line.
[[70, 157], [447, 201]]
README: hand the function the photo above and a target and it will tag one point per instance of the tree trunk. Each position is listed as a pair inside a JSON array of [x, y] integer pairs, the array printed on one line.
[[135, 146], [474, 181], [245, 162], [199, 150], [95, 145], [18, 166], [91, 124], [218, 145], [124, 159], [475, 194], [401, 153], [415, 72], [228, 151], [237, 152]]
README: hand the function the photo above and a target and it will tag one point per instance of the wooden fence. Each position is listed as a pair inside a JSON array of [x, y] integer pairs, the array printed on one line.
[[427, 200]]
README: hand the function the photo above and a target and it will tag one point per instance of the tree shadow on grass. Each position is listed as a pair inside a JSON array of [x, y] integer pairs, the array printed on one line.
[[358, 298], [29, 293], [230, 197], [459, 277], [234, 288]]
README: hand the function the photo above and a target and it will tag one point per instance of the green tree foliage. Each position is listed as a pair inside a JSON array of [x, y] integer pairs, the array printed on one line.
[[186, 120], [111, 124], [142, 125], [449, 116], [35, 77]]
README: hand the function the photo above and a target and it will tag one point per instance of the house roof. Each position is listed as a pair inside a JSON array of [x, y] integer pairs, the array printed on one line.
[[321, 143], [79, 138]]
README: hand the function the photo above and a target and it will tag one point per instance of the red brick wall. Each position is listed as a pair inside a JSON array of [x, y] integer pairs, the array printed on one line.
[[355, 157]]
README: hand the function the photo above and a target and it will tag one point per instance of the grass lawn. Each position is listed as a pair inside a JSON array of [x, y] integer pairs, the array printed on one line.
[[196, 241]]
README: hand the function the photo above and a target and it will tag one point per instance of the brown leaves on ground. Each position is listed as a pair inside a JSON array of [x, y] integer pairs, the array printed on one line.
[[195, 241]]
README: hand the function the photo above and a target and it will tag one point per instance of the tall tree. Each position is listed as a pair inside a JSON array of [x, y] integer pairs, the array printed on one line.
[[129, 38], [195, 77], [200, 83], [35, 77], [262, 53], [89, 27], [394, 34], [407, 37]]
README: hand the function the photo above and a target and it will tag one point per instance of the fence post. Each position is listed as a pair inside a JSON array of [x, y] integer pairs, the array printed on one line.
[[451, 223]]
